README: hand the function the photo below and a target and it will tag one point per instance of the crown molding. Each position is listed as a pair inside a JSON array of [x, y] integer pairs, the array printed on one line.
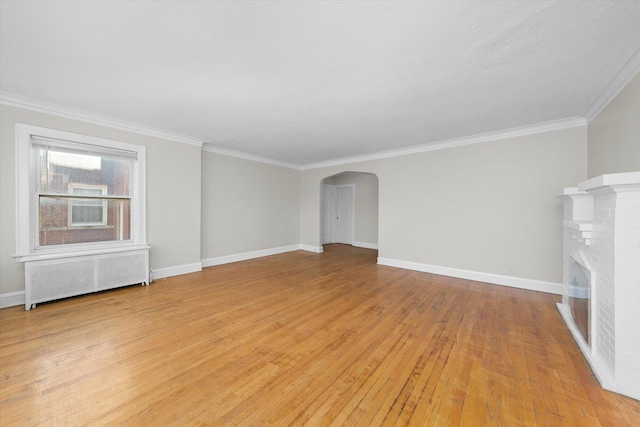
[[96, 119], [629, 67], [43, 107], [458, 142], [213, 149]]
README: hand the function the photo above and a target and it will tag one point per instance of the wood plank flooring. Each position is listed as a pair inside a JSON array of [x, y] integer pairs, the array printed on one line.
[[301, 339]]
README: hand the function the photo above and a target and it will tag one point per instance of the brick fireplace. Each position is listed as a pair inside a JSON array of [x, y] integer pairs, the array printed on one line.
[[601, 283]]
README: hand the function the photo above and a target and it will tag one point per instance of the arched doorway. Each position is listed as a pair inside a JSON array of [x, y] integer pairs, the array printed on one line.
[[349, 209]]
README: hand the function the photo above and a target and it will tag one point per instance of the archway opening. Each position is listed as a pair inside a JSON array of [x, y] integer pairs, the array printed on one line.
[[349, 209]]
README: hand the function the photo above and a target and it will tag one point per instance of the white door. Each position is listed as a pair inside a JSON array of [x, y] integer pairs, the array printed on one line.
[[337, 214], [328, 207], [344, 214]]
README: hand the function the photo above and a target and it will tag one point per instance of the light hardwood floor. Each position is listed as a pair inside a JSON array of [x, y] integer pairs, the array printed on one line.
[[301, 339]]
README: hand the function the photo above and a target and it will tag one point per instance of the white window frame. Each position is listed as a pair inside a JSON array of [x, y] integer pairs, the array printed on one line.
[[103, 204], [27, 227]]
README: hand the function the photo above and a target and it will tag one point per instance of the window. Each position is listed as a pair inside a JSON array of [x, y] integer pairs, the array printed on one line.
[[77, 192], [88, 211]]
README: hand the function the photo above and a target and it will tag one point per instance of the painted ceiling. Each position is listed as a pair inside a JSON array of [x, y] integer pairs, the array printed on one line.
[[309, 82]]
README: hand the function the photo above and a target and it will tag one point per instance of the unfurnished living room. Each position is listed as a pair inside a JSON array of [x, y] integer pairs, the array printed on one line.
[[316, 213]]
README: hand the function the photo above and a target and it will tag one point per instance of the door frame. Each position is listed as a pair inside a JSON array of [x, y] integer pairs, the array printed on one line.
[[334, 210]]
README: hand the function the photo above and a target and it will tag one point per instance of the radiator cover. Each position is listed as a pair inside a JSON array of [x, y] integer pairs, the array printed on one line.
[[51, 279]]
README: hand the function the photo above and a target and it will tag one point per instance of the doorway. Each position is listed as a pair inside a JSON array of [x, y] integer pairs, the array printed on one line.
[[337, 213], [349, 209]]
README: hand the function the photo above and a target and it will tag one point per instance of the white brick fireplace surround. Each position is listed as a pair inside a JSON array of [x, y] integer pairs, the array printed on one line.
[[602, 275]]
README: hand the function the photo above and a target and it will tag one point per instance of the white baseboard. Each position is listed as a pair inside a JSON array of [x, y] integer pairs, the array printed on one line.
[[309, 248], [11, 299], [226, 259], [161, 273], [496, 279], [366, 245]]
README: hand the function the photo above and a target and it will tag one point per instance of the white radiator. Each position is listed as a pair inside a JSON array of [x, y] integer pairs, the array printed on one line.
[[51, 279]]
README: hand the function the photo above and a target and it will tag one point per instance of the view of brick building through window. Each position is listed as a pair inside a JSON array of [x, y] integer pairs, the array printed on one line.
[[83, 198]]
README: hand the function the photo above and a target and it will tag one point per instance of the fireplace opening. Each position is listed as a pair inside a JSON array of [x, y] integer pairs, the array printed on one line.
[[579, 298]]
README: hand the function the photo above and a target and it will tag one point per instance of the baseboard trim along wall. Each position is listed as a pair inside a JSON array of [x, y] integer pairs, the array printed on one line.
[[226, 259], [309, 248], [11, 299], [366, 245], [161, 273], [495, 279]]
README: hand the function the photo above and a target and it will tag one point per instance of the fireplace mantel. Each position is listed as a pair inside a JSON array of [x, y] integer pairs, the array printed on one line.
[[611, 180], [602, 233]]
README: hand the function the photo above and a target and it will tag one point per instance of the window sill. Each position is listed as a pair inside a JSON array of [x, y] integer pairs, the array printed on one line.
[[45, 254]]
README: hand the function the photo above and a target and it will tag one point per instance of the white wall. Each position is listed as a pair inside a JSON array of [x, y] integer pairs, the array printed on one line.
[[488, 207], [173, 192], [365, 205], [614, 134], [247, 206]]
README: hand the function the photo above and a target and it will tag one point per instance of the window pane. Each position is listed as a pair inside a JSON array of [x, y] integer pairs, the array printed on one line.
[[88, 191], [59, 169], [88, 211], [65, 220], [86, 215]]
